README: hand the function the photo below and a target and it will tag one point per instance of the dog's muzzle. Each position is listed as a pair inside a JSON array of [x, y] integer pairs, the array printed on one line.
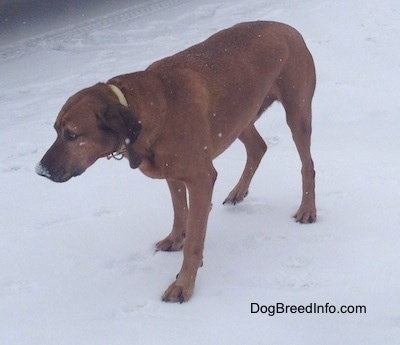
[[57, 175]]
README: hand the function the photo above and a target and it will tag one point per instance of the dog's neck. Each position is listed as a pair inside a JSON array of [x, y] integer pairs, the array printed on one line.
[[119, 94], [152, 118], [120, 152]]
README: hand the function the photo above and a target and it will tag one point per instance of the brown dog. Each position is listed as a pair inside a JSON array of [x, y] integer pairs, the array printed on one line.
[[174, 118]]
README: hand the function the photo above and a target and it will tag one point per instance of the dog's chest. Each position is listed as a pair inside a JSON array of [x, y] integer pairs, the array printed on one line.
[[150, 169]]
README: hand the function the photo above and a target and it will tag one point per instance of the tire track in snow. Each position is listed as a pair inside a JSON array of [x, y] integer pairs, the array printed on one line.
[[32, 44]]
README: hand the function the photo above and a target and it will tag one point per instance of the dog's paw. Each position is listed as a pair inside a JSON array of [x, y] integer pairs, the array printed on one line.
[[235, 197], [169, 245], [306, 215], [177, 293]]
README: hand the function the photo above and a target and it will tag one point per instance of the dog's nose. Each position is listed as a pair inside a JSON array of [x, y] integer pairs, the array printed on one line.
[[42, 171]]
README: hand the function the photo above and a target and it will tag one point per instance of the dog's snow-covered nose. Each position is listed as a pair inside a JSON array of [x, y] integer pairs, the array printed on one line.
[[42, 171], [57, 174]]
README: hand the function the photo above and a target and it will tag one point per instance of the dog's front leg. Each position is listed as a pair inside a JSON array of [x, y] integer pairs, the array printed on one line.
[[200, 193], [174, 241]]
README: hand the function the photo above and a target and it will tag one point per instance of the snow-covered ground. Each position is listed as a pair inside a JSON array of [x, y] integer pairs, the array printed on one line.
[[77, 259]]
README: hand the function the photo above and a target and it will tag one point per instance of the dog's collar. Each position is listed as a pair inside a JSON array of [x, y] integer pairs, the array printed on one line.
[[119, 94], [119, 153]]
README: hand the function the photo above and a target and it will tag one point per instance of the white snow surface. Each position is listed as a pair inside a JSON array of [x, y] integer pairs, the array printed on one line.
[[78, 265]]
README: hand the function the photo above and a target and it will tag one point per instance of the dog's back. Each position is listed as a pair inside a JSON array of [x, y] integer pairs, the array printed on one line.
[[256, 47], [243, 69]]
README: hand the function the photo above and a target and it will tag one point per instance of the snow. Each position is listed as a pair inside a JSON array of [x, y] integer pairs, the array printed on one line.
[[78, 264]]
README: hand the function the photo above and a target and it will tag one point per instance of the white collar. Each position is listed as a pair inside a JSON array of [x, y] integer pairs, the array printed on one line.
[[119, 94]]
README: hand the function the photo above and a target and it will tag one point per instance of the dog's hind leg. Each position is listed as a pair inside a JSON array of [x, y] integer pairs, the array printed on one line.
[[255, 149], [174, 241], [299, 121]]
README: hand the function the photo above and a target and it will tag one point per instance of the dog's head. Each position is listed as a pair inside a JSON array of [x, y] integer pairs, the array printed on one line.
[[91, 124]]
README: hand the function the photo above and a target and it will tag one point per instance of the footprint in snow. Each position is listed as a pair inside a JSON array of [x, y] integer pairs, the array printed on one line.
[[15, 287]]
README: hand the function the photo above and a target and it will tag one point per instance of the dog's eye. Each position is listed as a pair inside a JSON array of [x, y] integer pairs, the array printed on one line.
[[70, 136]]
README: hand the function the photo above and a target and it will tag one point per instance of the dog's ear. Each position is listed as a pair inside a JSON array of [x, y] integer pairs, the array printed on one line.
[[122, 121]]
